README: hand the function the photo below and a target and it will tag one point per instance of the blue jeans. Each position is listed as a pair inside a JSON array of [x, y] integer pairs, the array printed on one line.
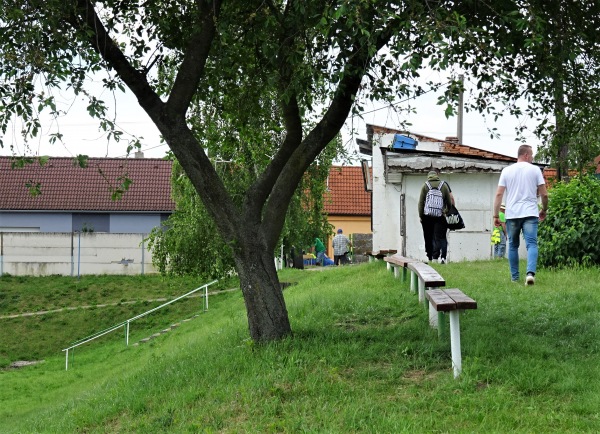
[[529, 226], [320, 257]]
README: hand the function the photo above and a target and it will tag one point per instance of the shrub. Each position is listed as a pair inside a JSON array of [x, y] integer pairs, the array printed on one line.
[[569, 235]]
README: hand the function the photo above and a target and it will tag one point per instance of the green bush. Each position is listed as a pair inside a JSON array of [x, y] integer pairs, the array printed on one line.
[[569, 235]]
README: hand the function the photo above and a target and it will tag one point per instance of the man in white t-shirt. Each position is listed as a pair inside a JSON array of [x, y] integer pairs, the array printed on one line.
[[522, 183]]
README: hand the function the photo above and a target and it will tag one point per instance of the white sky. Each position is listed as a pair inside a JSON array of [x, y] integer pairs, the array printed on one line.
[[82, 135]]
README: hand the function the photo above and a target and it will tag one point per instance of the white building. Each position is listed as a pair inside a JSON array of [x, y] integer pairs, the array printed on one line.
[[399, 174]]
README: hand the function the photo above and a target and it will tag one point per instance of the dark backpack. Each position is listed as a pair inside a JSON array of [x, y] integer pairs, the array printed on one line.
[[434, 201]]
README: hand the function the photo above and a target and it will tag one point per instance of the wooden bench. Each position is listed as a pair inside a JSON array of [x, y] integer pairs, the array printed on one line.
[[453, 301], [397, 263], [423, 276], [379, 254]]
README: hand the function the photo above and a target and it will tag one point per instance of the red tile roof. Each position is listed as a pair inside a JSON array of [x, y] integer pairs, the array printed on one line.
[[65, 186], [347, 195]]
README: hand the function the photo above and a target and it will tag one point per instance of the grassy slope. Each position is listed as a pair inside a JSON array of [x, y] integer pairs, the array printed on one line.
[[362, 358], [121, 296]]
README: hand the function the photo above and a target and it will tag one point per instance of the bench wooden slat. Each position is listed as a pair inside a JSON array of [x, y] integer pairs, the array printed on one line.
[[380, 254], [427, 274], [462, 300], [398, 260], [441, 301]]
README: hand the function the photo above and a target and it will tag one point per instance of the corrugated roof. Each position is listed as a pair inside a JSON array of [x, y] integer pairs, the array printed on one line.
[[346, 192], [65, 186]]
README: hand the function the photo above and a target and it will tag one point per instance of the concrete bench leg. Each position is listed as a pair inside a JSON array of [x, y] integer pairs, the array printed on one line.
[[413, 281], [433, 316], [388, 266], [455, 342], [396, 272], [421, 291]]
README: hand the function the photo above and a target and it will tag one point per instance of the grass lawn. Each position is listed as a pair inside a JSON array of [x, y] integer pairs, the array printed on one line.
[[362, 359]]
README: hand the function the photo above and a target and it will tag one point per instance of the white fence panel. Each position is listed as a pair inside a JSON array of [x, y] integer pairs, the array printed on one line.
[[73, 254]]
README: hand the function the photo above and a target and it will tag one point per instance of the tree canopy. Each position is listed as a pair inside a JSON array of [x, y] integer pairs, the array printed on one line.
[[225, 79]]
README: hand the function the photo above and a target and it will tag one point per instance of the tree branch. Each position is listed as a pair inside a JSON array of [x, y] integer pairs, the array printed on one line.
[[319, 137], [196, 54], [87, 19]]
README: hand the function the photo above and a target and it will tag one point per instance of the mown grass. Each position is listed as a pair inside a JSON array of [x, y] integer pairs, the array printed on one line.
[[362, 359]]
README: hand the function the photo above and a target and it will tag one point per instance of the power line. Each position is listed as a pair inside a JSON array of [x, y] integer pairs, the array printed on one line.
[[401, 102]]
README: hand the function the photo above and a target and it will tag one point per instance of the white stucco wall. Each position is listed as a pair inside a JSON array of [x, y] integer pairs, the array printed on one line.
[[385, 213], [395, 217]]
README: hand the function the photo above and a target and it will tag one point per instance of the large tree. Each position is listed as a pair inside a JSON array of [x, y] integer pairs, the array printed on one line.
[[195, 64]]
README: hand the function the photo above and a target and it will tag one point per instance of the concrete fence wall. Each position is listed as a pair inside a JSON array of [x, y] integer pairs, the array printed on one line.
[[73, 254]]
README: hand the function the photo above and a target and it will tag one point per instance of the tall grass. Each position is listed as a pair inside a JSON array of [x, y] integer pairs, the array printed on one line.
[[362, 359]]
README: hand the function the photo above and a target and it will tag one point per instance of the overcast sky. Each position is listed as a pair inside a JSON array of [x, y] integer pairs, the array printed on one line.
[[82, 136]]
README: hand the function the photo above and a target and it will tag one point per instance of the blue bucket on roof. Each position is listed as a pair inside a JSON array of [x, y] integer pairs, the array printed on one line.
[[403, 142]]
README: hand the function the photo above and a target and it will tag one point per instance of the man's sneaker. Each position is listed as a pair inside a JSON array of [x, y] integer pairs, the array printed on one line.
[[530, 279], [442, 260]]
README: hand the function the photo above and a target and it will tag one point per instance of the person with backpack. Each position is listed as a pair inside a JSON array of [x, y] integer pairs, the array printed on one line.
[[435, 199], [436, 247]]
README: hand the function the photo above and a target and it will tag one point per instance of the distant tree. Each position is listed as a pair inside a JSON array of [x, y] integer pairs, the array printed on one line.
[[195, 65]]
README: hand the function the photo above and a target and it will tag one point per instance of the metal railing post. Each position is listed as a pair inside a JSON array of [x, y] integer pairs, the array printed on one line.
[[205, 298]]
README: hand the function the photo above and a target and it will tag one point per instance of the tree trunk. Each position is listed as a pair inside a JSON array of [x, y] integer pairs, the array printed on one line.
[[263, 297], [561, 142], [560, 139]]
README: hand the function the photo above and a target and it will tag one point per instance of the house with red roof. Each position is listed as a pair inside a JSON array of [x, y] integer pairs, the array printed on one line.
[[61, 196], [348, 206], [400, 161]]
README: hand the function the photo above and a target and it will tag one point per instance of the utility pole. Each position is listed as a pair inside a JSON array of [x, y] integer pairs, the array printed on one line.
[[459, 122]]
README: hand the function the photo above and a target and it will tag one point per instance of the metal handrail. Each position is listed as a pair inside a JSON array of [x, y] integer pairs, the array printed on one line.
[[126, 322]]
